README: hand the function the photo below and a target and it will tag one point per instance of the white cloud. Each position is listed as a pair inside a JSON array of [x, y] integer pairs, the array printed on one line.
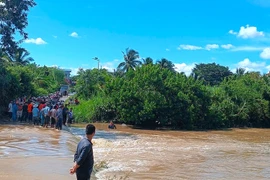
[[2, 4], [55, 37], [189, 47], [37, 41], [55, 66], [248, 32], [268, 68], [167, 49], [227, 46], [183, 67], [74, 34], [74, 71], [251, 66], [223, 46], [110, 66], [211, 46], [232, 32], [265, 54]]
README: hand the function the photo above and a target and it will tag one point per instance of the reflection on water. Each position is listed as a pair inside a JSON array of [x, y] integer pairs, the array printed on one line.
[[146, 154]]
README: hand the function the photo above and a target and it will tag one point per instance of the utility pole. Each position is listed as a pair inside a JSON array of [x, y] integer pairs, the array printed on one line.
[[96, 59]]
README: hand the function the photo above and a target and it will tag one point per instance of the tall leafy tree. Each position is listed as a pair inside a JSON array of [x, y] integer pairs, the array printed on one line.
[[21, 57], [210, 73], [3, 57], [13, 19], [164, 63], [147, 61], [131, 60], [240, 71]]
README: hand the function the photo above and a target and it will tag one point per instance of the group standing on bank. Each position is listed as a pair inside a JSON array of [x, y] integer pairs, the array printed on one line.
[[46, 111]]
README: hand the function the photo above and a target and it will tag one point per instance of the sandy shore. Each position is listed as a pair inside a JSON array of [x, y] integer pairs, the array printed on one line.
[[36, 168]]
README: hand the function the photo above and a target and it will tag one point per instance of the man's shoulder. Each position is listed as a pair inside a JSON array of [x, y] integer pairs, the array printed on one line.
[[85, 142]]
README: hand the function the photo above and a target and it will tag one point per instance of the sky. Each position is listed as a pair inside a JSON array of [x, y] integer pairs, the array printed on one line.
[[69, 34]]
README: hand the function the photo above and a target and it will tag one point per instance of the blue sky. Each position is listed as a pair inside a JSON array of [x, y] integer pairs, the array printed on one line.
[[233, 33]]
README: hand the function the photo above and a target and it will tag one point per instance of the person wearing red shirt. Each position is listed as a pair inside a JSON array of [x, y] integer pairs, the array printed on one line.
[[30, 109]]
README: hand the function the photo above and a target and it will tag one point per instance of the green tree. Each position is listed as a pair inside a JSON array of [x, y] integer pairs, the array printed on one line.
[[131, 60], [23, 80], [240, 71], [164, 63], [13, 18], [151, 97], [4, 59], [211, 73], [21, 57], [147, 61], [90, 82], [249, 99], [9, 85]]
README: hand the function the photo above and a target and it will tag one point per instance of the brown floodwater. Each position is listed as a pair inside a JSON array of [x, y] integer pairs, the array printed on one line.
[[34, 153], [231, 154], [28, 152]]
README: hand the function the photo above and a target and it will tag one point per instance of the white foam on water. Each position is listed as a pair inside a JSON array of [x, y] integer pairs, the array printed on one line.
[[126, 154]]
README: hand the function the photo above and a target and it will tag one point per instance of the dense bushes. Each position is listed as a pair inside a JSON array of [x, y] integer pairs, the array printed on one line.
[[29, 80], [151, 96]]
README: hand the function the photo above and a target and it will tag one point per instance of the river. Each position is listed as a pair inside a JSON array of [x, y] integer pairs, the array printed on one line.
[[128, 153]]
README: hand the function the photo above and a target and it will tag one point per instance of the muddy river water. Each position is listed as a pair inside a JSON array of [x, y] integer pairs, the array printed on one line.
[[28, 152]]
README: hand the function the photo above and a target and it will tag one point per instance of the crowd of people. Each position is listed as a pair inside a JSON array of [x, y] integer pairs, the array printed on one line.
[[46, 111]]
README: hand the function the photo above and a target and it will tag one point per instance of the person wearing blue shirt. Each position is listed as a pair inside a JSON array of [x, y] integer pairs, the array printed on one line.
[[46, 115], [83, 158], [14, 111], [35, 113]]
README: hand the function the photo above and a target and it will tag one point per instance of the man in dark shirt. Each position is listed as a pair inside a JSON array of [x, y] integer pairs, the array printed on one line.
[[83, 158], [65, 111], [24, 112]]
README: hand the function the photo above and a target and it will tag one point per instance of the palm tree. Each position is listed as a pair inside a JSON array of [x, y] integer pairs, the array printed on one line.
[[240, 71], [21, 57], [147, 61], [164, 63], [3, 57], [131, 60]]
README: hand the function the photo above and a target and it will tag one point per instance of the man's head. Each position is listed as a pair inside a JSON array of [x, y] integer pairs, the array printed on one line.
[[90, 130]]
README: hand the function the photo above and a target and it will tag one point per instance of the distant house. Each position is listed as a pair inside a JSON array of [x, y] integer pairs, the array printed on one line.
[[67, 73], [64, 89], [67, 76]]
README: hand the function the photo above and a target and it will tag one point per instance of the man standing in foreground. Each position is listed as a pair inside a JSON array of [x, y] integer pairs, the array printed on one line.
[[83, 158]]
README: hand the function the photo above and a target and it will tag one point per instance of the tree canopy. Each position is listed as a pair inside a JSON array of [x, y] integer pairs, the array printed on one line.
[[13, 19], [211, 73], [155, 95], [131, 60]]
